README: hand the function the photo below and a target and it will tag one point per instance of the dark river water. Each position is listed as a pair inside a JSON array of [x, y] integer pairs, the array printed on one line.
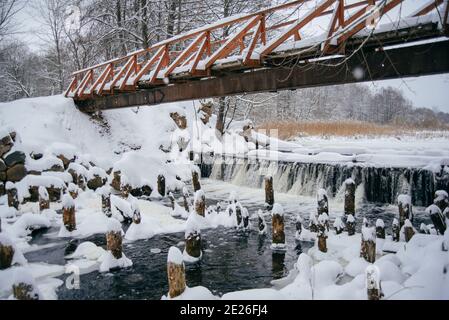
[[232, 260]]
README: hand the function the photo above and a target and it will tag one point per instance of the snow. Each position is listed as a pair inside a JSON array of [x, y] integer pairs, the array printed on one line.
[[67, 201], [195, 293], [58, 148], [114, 226], [45, 163], [405, 199], [24, 185], [433, 209], [43, 194], [28, 222], [175, 256], [380, 223], [110, 262], [277, 209], [87, 250], [368, 233]]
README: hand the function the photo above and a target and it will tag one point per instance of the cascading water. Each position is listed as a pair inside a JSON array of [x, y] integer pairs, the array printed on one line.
[[377, 184]]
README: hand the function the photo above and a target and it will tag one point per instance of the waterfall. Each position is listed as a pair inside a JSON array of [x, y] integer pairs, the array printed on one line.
[[374, 184]]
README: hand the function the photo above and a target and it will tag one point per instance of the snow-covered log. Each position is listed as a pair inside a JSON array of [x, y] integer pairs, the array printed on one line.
[[407, 231], [68, 213], [175, 272], [200, 202], [44, 199], [192, 252], [278, 238], [322, 202], [6, 252], [114, 238], [373, 285], [405, 208], [323, 220], [368, 245], [380, 229], [24, 287]]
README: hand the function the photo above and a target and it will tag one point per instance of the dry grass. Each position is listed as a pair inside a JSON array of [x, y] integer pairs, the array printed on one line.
[[291, 129]]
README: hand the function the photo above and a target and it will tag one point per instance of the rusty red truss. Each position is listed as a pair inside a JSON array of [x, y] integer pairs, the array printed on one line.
[[256, 41]]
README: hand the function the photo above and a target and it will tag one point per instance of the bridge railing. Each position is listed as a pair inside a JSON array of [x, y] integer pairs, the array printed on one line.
[[254, 37]]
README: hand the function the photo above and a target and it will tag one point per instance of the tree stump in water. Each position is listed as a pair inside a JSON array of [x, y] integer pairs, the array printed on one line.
[[261, 223], [193, 243], [368, 245], [176, 273], [238, 214], [269, 193], [395, 230], [441, 200], [185, 196], [114, 243], [44, 199], [322, 236], [161, 185], [68, 213], [380, 229], [437, 218], [11, 191], [200, 203], [195, 181], [405, 208], [278, 225], [408, 230], [349, 197]]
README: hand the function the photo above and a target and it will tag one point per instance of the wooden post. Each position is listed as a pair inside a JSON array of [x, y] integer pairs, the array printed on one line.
[[238, 214], [11, 191], [126, 190], [437, 218], [322, 231], [405, 208], [380, 229], [350, 224], [106, 204], [245, 218], [82, 182], [68, 213], [350, 197], [278, 238], [373, 285], [172, 200], [176, 273], [6, 252], [441, 200], [195, 181], [339, 225], [161, 185], [408, 230], [44, 199], [200, 202], [395, 230], [313, 222], [368, 245], [114, 238], [193, 241], [322, 202], [269, 193], [72, 190]]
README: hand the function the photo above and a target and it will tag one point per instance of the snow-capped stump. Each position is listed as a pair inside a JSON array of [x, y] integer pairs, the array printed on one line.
[[175, 272], [339, 226], [245, 215], [349, 197], [278, 237], [192, 252], [72, 189], [161, 185], [395, 230], [116, 180], [313, 222], [262, 225], [323, 220], [368, 245], [44, 199], [6, 252], [11, 191], [200, 202], [441, 199], [269, 193], [405, 208], [407, 231], [322, 202], [179, 119], [68, 213], [437, 218], [24, 287], [380, 229], [114, 238], [106, 202], [238, 215], [373, 285], [185, 196], [125, 187], [350, 224], [96, 178], [195, 181]]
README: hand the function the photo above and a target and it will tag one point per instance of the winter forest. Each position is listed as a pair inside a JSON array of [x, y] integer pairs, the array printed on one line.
[[224, 150]]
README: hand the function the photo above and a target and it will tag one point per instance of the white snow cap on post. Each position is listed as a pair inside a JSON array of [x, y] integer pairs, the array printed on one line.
[[349, 181], [350, 218], [441, 195], [199, 195], [380, 223], [175, 256], [277, 209], [67, 201], [372, 274], [114, 225], [433, 209], [368, 233], [338, 223], [9, 185], [43, 193]]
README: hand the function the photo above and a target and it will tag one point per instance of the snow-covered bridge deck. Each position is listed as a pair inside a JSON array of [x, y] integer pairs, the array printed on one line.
[[264, 51]]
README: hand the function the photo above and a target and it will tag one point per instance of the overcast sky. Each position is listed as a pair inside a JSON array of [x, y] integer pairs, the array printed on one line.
[[428, 91]]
